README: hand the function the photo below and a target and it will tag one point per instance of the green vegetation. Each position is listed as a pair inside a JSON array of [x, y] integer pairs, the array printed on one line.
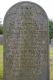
[[51, 70], [50, 30], [51, 63], [1, 63], [51, 53], [1, 29]]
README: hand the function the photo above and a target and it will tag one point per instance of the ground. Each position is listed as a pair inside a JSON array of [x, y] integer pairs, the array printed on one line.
[[51, 62], [1, 62]]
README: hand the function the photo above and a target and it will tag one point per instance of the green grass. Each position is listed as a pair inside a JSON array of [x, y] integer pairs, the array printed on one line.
[[1, 62], [51, 64], [51, 52]]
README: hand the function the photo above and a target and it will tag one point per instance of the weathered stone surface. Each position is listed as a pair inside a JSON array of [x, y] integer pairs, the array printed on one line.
[[52, 42], [1, 39], [26, 43]]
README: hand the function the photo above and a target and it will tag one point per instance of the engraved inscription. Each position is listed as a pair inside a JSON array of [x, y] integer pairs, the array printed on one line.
[[26, 43]]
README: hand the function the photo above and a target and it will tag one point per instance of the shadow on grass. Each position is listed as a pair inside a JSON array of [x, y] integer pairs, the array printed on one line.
[[1, 77]]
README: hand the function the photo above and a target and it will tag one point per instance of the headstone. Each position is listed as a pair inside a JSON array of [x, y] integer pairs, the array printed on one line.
[[1, 39], [26, 43], [52, 42]]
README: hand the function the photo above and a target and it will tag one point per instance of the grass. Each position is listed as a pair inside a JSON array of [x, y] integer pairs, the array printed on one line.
[[1, 62], [51, 52], [51, 63]]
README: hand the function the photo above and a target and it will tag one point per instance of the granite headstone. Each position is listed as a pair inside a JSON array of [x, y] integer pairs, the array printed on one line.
[[26, 43]]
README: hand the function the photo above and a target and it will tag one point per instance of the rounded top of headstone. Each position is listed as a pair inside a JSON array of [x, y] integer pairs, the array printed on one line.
[[26, 4]]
